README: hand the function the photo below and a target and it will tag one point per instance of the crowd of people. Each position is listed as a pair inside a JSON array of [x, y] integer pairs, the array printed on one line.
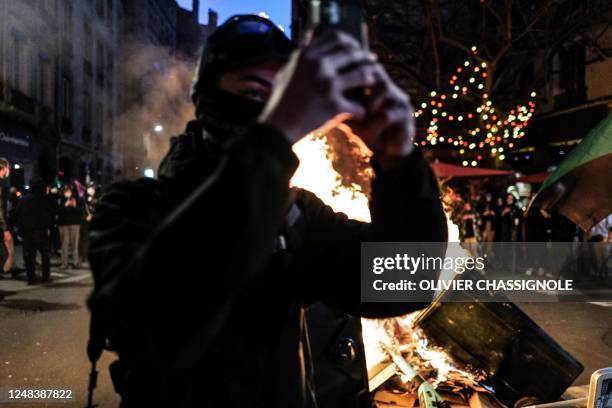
[[46, 220], [504, 218]]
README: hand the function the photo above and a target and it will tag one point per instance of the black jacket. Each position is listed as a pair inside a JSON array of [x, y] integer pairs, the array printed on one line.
[[34, 213], [70, 215], [3, 223], [201, 308]]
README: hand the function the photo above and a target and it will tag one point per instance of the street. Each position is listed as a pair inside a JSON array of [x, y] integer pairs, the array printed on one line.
[[45, 329], [43, 339]]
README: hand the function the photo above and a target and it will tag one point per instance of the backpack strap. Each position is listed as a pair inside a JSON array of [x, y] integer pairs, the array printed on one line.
[[95, 347]]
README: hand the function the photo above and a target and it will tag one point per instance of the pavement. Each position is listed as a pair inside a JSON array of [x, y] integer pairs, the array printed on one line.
[[44, 332], [43, 337]]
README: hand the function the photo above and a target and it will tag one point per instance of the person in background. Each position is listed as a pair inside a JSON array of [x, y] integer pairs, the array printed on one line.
[[598, 236], [34, 217], [511, 231], [6, 243], [489, 219], [55, 243], [70, 214], [511, 221], [498, 207], [469, 228], [89, 207]]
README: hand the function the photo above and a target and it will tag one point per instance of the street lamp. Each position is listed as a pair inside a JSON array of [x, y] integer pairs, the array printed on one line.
[[158, 128], [150, 173]]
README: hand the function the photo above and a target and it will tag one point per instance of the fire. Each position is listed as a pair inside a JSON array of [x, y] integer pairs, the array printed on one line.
[[317, 174], [400, 334]]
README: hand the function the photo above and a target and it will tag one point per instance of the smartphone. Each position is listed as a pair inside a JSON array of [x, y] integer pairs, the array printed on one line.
[[347, 16], [600, 389], [344, 15]]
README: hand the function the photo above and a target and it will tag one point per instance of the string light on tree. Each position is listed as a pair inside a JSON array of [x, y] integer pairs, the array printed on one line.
[[484, 129]]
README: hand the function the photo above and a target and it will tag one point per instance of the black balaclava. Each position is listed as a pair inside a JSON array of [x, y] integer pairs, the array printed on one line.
[[241, 41]]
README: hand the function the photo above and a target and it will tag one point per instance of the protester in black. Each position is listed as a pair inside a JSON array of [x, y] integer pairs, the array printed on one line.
[[202, 275], [69, 217], [89, 205], [511, 221], [5, 234], [34, 218]]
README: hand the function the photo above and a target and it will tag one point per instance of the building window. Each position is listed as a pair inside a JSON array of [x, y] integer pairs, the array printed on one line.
[[87, 111], [16, 66], [100, 55], [109, 13], [108, 132], [110, 69], [49, 6], [99, 122], [88, 40], [100, 63], [45, 80], [67, 19], [100, 8], [20, 66], [66, 98]]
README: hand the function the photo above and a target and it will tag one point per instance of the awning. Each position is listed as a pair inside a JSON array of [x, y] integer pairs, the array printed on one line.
[[536, 178], [446, 170]]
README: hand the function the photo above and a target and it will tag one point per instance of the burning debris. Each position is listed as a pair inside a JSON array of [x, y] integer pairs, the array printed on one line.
[[383, 336], [402, 362]]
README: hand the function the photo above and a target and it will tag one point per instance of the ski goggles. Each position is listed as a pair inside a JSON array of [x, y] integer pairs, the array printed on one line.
[[246, 36]]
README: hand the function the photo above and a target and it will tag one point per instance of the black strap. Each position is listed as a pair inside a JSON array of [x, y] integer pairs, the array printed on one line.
[[93, 382], [95, 347]]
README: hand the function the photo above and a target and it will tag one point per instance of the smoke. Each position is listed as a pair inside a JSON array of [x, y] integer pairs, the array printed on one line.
[[156, 105]]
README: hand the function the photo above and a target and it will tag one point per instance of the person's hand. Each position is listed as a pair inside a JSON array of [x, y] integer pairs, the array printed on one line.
[[388, 127], [7, 236], [309, 92]]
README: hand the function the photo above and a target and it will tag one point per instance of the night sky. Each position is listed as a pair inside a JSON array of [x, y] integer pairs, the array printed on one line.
[[278, 10]]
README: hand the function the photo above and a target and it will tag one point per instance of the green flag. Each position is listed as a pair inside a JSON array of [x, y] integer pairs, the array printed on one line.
[[581, 187]]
